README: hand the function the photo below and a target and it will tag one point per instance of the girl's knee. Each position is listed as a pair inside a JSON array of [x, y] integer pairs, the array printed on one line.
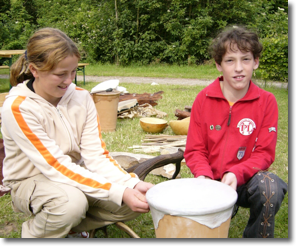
[[75, 209], [70, 210]]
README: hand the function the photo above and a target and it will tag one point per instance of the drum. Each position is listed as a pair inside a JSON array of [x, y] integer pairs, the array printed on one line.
[[107, 105], [191, 208]]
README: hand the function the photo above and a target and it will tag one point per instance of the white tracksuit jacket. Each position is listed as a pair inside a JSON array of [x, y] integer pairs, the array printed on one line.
[[41, 138]]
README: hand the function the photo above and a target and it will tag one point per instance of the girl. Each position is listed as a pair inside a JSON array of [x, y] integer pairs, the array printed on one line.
[[56, 163]]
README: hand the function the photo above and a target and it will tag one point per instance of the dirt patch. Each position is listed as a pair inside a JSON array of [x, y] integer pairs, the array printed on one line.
[[8, 228], [169, 81], [147, 80]]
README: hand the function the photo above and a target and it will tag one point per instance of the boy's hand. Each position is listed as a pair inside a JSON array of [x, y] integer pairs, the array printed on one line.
[[203, 177], [230, 179]]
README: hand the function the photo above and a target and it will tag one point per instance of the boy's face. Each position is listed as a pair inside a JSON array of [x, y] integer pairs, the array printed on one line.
[[237, 68]]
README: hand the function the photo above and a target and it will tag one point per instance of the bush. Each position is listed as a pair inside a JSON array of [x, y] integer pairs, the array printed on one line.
[[274, 60], [145, 32]]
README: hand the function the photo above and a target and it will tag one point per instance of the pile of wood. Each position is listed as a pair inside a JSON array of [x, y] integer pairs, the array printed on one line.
[[142, 98], [156, 143], [183, 114]]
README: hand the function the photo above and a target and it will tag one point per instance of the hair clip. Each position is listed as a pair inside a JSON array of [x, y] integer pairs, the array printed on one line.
[[26, 58]]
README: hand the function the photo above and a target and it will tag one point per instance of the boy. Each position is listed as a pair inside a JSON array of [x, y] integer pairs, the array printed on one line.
[[233, 131]]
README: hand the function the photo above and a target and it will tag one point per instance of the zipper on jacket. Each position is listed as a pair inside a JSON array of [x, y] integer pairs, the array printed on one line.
[[226, 139], [59, 112], [229, 116], [65, 127]]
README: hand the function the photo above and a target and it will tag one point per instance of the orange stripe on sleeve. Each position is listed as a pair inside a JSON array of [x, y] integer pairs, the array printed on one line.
[[106, 152], [51, 160], [79, 88], [133, 175]]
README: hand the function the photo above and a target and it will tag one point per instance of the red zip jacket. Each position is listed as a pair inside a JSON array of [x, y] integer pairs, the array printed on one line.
[[240, 139]]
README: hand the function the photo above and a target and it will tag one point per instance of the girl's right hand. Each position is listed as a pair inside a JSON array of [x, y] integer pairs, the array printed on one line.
[[135, 200]]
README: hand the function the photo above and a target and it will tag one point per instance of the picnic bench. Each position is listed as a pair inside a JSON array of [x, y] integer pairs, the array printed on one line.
[[81, 68], [7, 55]]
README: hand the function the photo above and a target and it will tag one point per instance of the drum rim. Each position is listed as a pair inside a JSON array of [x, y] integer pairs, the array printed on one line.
[[169, 210]]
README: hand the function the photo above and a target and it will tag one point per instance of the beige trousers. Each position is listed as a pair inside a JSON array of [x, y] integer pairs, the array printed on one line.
[[56, 208]]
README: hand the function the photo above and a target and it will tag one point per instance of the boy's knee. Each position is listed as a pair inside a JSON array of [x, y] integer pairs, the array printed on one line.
[[270, 189]]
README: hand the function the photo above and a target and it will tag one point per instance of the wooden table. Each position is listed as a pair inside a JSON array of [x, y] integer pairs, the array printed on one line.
[[7, 55], [81, 67]]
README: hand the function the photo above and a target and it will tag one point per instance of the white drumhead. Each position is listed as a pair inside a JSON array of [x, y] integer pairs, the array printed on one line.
[[191, 196], [207, 202]]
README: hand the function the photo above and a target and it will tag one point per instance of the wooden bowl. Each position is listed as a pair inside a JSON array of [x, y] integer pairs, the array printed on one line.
[[180, 127], [153, 125]]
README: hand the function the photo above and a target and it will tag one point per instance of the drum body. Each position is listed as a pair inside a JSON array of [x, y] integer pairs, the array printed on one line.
[[107, 107], [191, 208]]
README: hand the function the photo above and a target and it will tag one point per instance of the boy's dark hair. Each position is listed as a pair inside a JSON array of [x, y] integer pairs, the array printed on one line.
[[245, 39]]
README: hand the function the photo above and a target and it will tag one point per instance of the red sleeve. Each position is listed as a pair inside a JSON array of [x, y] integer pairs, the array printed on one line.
[[196, 152]]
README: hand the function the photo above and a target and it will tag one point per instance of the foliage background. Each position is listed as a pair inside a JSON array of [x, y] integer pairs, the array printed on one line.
[[146, 32]]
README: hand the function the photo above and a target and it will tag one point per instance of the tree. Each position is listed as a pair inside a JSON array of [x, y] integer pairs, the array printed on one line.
[[144, 32]]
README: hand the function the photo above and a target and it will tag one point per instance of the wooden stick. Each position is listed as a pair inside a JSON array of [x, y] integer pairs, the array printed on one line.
[[165, 136]]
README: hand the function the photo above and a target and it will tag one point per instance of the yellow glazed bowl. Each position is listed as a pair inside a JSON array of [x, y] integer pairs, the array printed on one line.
[[153, 125], [180, 127]]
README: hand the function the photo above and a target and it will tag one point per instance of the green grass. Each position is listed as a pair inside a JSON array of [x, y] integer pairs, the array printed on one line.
[[4, 85], [204, 72], [129, 133]]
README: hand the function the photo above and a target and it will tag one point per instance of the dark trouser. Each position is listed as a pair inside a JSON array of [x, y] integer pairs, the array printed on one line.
[[263, 194]]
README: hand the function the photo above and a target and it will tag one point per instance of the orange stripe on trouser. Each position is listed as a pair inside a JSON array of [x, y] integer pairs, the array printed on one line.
[[47, 155]]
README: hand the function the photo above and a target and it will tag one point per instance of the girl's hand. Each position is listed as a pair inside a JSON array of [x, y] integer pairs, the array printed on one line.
[[143, 187], [135, 198]]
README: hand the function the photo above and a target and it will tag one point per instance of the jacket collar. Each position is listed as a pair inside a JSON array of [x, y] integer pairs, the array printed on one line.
[[214, 90], [22, 90]]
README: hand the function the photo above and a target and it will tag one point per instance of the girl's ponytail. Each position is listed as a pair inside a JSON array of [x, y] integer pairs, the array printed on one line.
[[19, 71]]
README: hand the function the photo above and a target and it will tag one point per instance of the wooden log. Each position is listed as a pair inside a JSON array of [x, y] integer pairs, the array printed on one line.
[[182, 114], [142, 98], [154, 144], [163, 138], [126, 161], [188, 108]]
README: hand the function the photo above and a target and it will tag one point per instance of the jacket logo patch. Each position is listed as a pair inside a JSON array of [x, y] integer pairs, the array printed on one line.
[[241, 152], [246, 126], [272, 129]]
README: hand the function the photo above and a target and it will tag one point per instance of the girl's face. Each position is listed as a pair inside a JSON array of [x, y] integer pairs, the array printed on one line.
[[52, 85]]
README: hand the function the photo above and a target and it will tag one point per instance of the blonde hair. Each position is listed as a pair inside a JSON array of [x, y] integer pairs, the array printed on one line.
[[45, 49]]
